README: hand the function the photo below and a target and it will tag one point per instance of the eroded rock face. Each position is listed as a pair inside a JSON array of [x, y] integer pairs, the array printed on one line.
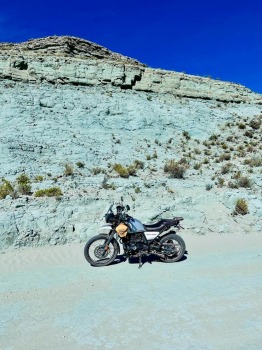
[[76, 61], [65, 100]]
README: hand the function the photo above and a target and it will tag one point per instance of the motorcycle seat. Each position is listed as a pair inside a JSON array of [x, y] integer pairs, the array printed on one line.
[[158, 226]]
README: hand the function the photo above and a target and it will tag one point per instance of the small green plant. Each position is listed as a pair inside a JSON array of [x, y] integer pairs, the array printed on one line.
[[6, 189], [24, 184], [80, 164], [149, 98], [39, 178], [49, 192], [213, 137], [69, 170], [241, 207], [209, 187], [97, 170], [137, 190], [241, 126], [221, 182], [197, 166]]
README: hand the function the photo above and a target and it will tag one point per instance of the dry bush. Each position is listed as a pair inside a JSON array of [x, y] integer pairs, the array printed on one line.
[[24, 184], [241, 207], [6, 189], [255, 123], [244, 181], [176, 169], [226, 168], [49, 192], [69, 170]]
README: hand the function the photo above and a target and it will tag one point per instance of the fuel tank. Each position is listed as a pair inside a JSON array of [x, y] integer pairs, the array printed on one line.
[[135, 225]]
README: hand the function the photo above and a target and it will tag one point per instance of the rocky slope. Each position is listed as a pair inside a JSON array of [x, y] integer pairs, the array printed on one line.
[[70, 110]]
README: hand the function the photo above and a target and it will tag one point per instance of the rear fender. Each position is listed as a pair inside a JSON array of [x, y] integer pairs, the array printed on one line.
[[162, 234]]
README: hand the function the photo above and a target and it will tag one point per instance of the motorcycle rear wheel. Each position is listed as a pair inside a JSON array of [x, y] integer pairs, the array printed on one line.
[[179, 246], [96, 252]]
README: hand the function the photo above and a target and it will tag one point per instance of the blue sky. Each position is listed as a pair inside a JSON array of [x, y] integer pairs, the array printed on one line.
[[222, 39]]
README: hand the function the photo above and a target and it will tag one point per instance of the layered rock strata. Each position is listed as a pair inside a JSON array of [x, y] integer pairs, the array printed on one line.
[[62, 60]]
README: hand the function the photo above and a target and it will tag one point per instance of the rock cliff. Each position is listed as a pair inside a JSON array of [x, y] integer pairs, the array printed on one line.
[[99, 125], [62, 60]]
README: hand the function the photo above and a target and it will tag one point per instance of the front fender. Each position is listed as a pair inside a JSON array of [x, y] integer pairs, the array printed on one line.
[[105, 229]]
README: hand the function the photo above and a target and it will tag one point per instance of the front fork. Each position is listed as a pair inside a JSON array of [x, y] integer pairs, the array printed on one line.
[[108, 241]]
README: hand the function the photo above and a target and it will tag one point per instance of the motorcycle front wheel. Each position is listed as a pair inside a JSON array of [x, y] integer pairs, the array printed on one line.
[[173, 247], [98, 253]]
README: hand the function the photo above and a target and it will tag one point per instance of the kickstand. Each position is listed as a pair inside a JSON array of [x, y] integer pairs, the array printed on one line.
[[140, 261]]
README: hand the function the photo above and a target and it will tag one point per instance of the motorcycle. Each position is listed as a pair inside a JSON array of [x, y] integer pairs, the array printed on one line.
[[138, 240]]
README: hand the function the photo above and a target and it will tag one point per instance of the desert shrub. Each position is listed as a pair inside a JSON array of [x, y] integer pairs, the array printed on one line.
[[230, 138], [131, 170], [139, 164], [39, 178], [206, 161], [108, 186], [232, 184], [241, 126], [249, 133], [137, 190], [80, 164], [24, 184], [213, 137], [49, 192], [121, 170], [6, 189], [241, 207], [242, 154], [237, 175], [97, 170], [253, 162], [220, 182], [197, 166], [69, 170], [197, 151], [176, 169], [207, 152], [224, 156], [226, 168], [186, 135], [255, 123], [244, 181], [224, 146], [209, 187]]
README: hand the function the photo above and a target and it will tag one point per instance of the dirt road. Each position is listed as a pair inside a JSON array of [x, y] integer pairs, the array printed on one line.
[[50, 298]]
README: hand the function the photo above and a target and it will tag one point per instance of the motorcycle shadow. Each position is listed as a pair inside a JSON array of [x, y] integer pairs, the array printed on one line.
[[145, 259]]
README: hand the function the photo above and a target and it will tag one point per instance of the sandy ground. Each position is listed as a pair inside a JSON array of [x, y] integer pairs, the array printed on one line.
[[51, 298]]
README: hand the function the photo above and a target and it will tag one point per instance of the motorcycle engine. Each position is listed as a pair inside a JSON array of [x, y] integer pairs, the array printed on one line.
[[135, 242]]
